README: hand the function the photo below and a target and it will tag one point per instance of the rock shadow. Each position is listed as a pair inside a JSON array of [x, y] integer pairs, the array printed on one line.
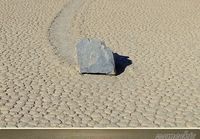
[[121, 62]]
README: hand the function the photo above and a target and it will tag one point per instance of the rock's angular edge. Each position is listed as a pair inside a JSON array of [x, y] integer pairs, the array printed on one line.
[[94, 57]]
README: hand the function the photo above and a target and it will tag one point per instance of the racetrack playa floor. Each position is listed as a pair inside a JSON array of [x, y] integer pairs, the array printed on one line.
[[39, 87]]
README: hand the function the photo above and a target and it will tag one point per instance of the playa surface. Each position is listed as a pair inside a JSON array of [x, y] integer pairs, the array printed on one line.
[[41, 88]]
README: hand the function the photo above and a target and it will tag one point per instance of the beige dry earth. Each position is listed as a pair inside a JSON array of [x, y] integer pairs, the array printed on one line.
[[40, 87]]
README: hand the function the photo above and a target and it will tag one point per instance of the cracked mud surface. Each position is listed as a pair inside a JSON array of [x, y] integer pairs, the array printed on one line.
[[160, 89]]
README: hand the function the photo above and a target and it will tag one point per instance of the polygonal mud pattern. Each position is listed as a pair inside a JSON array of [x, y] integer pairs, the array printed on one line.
[[160, 89]]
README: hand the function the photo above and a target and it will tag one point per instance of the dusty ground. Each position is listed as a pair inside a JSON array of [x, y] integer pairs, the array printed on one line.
[[160, 89]]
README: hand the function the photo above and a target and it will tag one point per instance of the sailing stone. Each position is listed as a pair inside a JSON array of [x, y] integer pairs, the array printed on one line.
[[94, 57]]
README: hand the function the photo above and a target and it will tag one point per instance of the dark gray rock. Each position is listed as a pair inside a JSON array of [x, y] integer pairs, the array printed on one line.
[[95, 57]]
